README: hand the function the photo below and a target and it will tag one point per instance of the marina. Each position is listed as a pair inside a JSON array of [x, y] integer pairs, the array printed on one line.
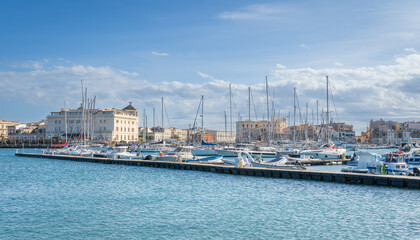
[[351, 178]]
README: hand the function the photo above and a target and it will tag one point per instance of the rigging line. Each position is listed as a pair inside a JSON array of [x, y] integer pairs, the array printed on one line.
[[300, 117], [195, 121], [164, 106], [332, 96], [156, 119], [255, 109]]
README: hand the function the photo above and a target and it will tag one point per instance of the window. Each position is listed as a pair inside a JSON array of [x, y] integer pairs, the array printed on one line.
[[117, 128], [104, 121], [100, 121], [117, 121]]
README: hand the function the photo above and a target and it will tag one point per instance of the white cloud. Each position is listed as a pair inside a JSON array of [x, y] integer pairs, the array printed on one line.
[[303, 45], [278, 65], [159, 54], [360, 94], [203, 75], [338, 64], [411, 50], [255, 12]]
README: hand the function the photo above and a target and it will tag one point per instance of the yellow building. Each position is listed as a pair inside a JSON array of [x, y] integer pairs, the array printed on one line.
[[4, 126]]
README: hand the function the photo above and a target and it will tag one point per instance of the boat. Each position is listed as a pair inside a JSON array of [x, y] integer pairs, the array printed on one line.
[[393, 164], [177, 155], [233, 151], [210, 159], [359, 161], [413, 159], [327, 151], [120, 152], [411, 152], [279, 162]]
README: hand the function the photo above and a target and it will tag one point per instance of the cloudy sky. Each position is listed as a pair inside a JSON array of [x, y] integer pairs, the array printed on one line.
[[142, 51]]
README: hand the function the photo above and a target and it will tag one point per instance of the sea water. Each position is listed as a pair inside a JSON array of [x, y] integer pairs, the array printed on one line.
[[56, 199]]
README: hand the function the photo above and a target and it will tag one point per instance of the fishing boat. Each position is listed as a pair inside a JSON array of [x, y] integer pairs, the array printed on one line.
[[393, 164]]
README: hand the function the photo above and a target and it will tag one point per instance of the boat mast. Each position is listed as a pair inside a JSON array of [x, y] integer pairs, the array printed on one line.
[[144, 125], [154, 117], [317, 122], [65, 119], [202, 118], [328, 115], [294, 119], [249, 114], [268, 111], [83, 114], [230, 109], [93, 113], [162, 117], [225, 126]]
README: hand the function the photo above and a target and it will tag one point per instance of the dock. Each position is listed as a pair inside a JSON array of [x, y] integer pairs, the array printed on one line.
[[337, 177]]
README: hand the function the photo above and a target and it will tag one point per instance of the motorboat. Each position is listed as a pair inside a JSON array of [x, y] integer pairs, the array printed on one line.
[[233, 151], [177, 155], [359, 162], [120, 152], [327, 151], [414, 159], [280, 161], [209, 159]]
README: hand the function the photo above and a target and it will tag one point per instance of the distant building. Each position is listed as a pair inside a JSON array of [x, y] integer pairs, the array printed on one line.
[[391, 132], [28, 131], [4, 128], [98, 124], [251, 131]]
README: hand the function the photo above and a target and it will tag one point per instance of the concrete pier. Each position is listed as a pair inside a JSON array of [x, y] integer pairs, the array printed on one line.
[[339, 177]]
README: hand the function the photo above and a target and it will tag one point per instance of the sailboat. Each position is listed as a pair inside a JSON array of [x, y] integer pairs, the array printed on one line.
[[329, 150]]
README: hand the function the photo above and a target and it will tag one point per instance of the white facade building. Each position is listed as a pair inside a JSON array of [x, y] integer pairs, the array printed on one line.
[[98, 124]]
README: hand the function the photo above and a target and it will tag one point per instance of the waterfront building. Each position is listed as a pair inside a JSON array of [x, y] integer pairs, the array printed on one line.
[[110, 124], [251, 131], [21, 131], [224, 136], [391, 132], [4, 128], [179, 134], [161, 134]]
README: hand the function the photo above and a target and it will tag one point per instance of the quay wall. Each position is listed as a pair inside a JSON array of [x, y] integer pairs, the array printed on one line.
[[338, 177]]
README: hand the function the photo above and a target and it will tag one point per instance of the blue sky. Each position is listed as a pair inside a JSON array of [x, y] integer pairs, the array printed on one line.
[[141, 51]]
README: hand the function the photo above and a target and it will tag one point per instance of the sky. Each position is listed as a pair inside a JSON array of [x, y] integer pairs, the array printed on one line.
[[142, 51]]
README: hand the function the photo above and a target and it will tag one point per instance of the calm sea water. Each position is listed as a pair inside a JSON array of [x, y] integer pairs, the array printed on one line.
[[53, 199]]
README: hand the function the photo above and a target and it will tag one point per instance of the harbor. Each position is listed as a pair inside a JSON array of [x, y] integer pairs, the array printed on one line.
[[350, 178]]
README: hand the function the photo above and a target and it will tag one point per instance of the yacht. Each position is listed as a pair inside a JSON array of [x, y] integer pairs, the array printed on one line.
[[120, 152], [177, 155], [327, 151], [359, 162]]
